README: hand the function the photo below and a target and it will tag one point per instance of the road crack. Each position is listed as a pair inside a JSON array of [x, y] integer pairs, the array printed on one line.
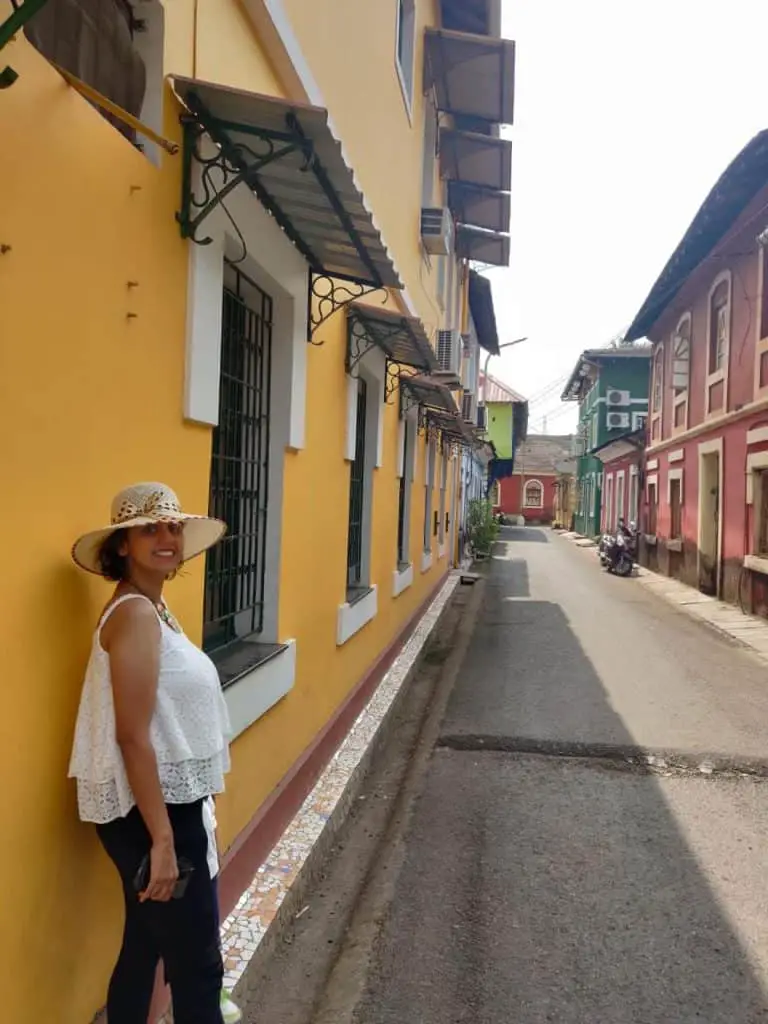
[[614, 757]]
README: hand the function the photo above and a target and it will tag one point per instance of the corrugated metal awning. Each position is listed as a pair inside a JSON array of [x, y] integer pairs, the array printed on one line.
[[481, 246], [476, 159], [402, 338], [287, 155], [472, 75], [479, 207], [429, 393], [453, 427]]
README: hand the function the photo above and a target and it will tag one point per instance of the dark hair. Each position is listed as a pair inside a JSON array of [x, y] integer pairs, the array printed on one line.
[[113, 565]]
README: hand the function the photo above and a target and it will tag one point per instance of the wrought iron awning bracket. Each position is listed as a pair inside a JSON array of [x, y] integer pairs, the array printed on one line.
[[234, 164], [328, 294], [396, 374], [22, 11]]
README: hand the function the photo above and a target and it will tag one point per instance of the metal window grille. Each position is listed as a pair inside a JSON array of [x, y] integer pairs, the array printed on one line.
[[357, 493], [235, 568], [402, 540]]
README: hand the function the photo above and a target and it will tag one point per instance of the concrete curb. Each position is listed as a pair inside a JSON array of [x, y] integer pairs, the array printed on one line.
[[299, 858]]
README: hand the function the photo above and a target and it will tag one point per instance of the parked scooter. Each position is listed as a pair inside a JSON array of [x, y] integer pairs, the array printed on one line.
[[621, 553]]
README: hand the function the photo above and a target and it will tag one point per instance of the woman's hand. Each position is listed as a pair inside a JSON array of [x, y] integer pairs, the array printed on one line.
[[163, 872]]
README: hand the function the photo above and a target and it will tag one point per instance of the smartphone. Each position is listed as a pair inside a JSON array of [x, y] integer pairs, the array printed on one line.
[[186, 869]]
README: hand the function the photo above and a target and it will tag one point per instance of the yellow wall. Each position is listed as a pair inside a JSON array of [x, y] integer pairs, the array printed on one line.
[[383, 145], [91, 399]]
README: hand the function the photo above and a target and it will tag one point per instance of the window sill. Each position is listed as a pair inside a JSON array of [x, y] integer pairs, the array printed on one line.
[[402, 578], [675, 544], [257, 688], [426, 561], [757, 563], [650, 540], [353, 616], [441, 551]]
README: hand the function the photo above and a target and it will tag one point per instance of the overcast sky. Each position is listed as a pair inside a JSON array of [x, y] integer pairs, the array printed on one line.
[[626, 113]]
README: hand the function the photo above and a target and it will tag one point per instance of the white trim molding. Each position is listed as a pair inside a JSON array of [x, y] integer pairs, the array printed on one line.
[[255, 693], [276, 266], [674, 474], [426, 561], [652, 464], [711, 378], [401, 580], [756, 462], [714, 446], [761, 344], [678, 455], [352, 617], [680, 398], [758, 435]]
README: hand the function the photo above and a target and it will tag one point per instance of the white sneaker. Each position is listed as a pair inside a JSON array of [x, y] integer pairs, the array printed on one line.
[[230, 1012]]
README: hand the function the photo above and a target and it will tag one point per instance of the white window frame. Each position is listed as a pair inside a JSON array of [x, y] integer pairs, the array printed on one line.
[[711, 379], [275, 265], [634, 494], [534, 481], [405, 51], [761, 344], [657, 415], [406, 466], [608, 507], [675, 543], [372, 367], [441, 531], [680, 398], [652, 500], [621, 489], [429, 484]]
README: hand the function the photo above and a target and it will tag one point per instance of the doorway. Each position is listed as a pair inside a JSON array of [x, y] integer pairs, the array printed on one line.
[[709, 520]]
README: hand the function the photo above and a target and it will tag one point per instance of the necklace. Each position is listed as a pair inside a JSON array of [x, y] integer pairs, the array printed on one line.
[[162, 610]]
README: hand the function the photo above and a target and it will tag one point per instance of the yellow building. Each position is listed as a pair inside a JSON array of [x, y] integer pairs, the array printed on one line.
[[234, 241]]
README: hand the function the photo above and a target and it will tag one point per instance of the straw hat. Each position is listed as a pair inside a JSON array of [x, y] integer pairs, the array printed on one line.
[[139, 505]]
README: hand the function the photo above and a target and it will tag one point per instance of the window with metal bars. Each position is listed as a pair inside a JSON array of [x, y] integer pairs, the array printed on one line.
[[402, 506], [357, 496], [428, 496], [236, 568]]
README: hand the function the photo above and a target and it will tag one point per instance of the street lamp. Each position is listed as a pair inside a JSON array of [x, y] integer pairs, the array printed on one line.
[[504, 344]]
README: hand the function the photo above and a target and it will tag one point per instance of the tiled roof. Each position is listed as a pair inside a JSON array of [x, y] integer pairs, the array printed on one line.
[[542, 453]]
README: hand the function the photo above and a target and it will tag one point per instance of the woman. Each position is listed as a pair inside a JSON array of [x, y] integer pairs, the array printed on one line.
[[150, 751]]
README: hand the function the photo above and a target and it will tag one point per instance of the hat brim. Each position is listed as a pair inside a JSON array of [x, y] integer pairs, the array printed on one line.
[[200, 533]]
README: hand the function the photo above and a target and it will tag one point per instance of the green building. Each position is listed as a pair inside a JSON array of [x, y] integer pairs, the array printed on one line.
[[611, 387]]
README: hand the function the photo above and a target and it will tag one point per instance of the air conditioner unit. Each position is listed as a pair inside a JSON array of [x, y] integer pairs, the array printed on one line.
[[616, 397], [436, 230], [617, 420], [482, 417], [449, 353]]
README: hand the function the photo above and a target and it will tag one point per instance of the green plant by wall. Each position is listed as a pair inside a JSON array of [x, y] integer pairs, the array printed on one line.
[[481, 526]]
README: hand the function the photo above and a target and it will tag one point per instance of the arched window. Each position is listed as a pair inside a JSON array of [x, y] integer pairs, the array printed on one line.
[[533, 494], [681, 371]]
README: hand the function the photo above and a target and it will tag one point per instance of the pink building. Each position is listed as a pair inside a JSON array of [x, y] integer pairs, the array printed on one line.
[[705, 496]]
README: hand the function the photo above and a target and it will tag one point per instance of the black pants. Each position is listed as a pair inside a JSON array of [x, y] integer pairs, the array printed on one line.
[[183, 933]]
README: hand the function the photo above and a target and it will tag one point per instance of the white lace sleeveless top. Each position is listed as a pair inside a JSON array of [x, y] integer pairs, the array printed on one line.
[[189, 730]]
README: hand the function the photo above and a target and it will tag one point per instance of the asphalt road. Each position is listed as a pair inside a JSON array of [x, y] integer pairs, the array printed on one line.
[[549, 872]]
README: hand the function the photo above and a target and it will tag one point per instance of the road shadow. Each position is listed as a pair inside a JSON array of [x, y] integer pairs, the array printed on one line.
[[542, 889]]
